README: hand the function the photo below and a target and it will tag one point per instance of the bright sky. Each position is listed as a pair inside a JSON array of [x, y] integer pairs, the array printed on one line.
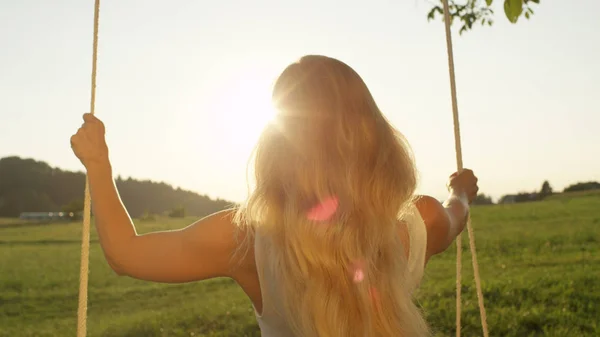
[[183, 85]]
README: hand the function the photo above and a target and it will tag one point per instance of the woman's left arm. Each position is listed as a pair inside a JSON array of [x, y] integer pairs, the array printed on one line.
[[200, 251]]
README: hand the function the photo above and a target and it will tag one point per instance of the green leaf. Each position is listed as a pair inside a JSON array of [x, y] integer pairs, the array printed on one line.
[[430, 16], [513, 9], [489, 2], [433, 11], [527, 15]]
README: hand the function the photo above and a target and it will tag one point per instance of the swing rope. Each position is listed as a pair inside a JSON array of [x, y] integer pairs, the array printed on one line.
[[85, 242], [87, 203], [459, 163]]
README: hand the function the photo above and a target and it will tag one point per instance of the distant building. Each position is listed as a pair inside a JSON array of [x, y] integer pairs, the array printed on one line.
[[48, 216]]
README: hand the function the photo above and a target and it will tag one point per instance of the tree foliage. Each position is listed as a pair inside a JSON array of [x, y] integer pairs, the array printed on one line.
[[483, 199], [177, 212], [27, 185], [470, 12], [583, 186], [546, 190]]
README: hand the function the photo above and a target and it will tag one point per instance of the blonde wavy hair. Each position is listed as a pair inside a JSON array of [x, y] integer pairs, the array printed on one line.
[[329, 138]]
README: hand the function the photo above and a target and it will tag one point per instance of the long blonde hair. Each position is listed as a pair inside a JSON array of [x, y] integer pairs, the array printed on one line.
[[329, 138]]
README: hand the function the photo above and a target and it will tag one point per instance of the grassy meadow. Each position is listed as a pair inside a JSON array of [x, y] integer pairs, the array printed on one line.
[[539, 264]]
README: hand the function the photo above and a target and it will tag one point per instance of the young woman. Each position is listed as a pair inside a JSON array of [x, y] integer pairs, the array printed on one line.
[[332, 241]]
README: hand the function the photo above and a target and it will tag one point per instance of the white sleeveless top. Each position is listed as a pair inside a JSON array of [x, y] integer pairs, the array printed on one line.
[[272, 324]]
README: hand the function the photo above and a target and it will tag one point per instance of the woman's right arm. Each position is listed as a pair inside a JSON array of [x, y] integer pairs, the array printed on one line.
[[445, 221]]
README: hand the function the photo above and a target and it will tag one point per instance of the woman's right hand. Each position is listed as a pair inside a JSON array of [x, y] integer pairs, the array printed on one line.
[[464, 183]]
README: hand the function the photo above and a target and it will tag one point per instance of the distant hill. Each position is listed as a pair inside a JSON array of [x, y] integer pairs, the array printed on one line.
[[27, 185]]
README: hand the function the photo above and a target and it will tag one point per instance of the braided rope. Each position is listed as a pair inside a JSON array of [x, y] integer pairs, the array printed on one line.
[[85, 231], [459, 164]]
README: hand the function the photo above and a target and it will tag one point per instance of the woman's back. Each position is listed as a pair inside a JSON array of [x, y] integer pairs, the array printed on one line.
[[271, 318]]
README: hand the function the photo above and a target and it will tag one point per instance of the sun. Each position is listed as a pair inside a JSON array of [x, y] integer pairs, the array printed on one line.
[[246, 108]]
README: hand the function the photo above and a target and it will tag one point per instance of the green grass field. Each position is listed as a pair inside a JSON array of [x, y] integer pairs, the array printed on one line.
[[539, 262]]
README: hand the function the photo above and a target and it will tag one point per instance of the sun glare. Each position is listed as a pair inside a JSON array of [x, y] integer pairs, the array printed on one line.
[[246, 108]]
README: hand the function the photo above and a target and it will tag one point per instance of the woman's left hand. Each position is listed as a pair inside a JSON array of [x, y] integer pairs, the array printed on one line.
[[89, 144]]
